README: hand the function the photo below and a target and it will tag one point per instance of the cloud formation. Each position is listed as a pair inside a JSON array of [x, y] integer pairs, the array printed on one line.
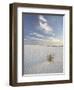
[[44, 24], [46, 35], [37, 35], [47, 41], [42, 18]]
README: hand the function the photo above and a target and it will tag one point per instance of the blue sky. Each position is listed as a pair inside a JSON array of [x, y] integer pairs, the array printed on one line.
[[42, 27]]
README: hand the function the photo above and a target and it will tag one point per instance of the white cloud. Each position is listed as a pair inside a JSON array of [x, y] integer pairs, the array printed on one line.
[[37, 34], [44, 24], [32, 38], [42, 18], [54, 41]]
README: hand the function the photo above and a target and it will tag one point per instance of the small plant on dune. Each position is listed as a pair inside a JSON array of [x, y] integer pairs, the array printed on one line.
[[50, 58]]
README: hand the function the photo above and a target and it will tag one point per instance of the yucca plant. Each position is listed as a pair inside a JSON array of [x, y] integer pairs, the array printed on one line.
[[50, 58]]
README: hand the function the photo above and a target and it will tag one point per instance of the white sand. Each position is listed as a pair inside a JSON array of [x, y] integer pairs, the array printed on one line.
[[36, 60]]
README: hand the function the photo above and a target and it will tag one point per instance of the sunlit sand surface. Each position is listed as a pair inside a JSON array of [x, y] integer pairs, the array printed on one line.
[[37, 59]]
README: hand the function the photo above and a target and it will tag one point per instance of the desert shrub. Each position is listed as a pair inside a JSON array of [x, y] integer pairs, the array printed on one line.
[[50, 58]]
